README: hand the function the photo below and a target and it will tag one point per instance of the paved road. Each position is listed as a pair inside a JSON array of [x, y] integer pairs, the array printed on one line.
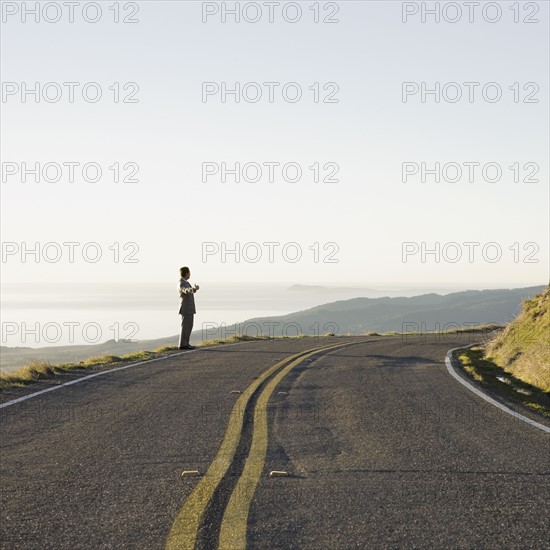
[[383, 447]]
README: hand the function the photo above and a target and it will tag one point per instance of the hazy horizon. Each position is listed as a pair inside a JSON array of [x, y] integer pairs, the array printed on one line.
[[66, 315], [352, 224], [326, 179]]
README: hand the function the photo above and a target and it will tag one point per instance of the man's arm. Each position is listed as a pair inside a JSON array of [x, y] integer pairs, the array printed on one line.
[[188, 289]]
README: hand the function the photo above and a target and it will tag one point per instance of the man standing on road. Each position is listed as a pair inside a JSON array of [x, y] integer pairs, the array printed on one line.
[[187, 307]]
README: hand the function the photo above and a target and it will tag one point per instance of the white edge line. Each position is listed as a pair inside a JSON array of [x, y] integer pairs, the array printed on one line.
[[89, 376], [471, 387]]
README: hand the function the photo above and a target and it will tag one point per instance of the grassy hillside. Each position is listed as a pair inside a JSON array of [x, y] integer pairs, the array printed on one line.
[[523, 348]]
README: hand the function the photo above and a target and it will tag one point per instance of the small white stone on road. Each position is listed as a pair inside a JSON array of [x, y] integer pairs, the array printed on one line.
[[189, 473], [282, 392], [236, 391], [278, 473]]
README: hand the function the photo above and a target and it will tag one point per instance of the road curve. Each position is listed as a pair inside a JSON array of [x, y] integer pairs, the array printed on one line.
[[384, 449]]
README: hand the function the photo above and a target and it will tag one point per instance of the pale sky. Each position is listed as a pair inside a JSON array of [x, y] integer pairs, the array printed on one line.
[[170, 212]]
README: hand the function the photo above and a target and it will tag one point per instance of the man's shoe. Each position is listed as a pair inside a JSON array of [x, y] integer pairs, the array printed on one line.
[[191, 347]]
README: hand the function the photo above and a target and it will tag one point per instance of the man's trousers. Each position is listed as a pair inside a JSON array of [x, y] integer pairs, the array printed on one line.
[[186, 328]]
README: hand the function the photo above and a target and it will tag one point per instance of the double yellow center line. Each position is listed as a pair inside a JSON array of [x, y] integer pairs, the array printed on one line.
[[185, 529]]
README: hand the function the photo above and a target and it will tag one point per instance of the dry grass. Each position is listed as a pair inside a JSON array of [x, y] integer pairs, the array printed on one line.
[[496, 378], [35, 370], [39, 370], [230, 340], [523, 348], [483, 330]]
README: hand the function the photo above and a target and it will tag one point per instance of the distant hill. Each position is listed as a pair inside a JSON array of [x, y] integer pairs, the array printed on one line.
[[427, 312], [523, 348]]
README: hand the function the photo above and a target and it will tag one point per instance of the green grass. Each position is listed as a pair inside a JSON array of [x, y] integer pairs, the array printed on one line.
[[494, 377]]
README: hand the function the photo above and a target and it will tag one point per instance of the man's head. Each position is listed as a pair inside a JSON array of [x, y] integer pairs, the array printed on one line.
[[185, 272]]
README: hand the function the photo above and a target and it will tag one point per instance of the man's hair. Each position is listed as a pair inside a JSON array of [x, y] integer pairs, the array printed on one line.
[[184, 271]]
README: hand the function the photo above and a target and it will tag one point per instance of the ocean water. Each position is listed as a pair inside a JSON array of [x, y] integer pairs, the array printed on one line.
[[59, 314]]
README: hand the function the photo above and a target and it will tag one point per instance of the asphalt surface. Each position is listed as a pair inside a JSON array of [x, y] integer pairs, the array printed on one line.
[[383, 447]]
